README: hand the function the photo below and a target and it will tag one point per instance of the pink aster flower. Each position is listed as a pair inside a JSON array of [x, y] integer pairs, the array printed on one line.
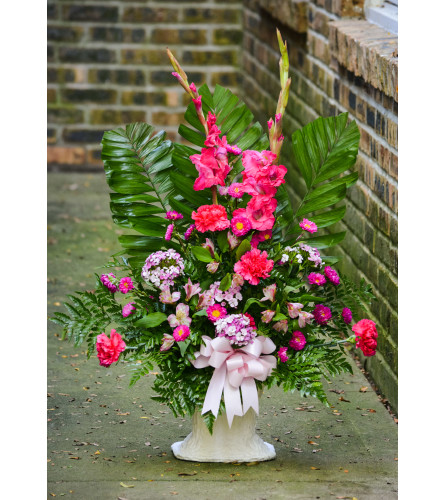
[[212, 267], [189, 231], [128, 309], [210, 218], [254, 265], [166, 297], [234, 149], [191, 289], [269, 293], [173, 215], [181, 332], [125, 285], [232, 240], [281, 326], [308, 226], [167, 342], [298, 341], [260, 236], [216, 312], [346, 315], [332, 275], [316, 279], [282, 354], [181, 317], [304, 318], [322, 314], [267, 315], [294, 309], [240, 226], [109, 348], [236, 190]]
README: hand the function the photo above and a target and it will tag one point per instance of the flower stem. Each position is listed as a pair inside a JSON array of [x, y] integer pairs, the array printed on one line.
[[214, 195]]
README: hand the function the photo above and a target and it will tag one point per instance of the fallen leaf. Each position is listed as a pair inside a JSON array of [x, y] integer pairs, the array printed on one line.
[[315, 468], [252, 463], [337, 391], [312, 442], [341, 398], [363, 388], [372, 411], [126, 485]]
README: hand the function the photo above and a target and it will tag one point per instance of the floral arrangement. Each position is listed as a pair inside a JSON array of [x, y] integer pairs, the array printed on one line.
[[223, 286]]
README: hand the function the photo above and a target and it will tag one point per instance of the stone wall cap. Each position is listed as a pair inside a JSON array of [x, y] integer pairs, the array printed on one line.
[[292, 13]]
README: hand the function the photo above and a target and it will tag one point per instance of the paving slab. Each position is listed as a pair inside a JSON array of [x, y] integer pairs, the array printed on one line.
[[109, 441]]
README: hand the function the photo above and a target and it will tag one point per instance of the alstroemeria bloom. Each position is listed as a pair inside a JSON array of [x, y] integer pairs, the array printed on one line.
[[269, 293], [267, 315], [212, 166], [181, 317], [191, 289], [254, 265], [232, 240], [210, 218], [205, 299], [281, 326], [212, 267], [167, 342], [181, 332], [304, 318], [166, 297], [109, 348], [294, 309], [210, 246]]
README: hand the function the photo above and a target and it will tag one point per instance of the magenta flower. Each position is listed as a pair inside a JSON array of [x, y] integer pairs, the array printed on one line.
[[316, 279], [189, 231], [269, 293], [173, 215], [240, 226], [332, 275], [267, 315], [281, 326], [308, 226], [109, 348], [169, 232], [197, 102], [282, 354], [298, 341], [260, 236], [191, 289], [346, 315], [236, 190], [269, 123], [181, 332], [128, 309], [294, 309], [167, 342], [181, 317], [125, 285], [322, 314], [234, 149], [107, 280], [216, 312], [304, 318]]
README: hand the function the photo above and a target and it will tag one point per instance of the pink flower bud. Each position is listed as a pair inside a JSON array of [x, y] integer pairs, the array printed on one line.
[[193, 87], [270, 123], [197, 103], [277, 117]]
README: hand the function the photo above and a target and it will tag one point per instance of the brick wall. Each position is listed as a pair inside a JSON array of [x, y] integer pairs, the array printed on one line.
[[340, 63], [107, 66]]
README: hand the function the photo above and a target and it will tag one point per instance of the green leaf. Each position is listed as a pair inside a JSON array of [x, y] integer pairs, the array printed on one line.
[[279, 317], [325, 200], [251, 301], [242, 249], [226, 282], [326, 241], [201, 312], [151, 320], [222, 241], [183, 346], [202, 254]]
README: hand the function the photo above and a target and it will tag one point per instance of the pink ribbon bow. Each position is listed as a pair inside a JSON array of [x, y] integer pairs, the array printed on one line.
[[234, 369]]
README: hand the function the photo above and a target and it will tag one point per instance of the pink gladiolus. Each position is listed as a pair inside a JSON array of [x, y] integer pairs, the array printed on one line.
[[308, 226], [267, 315], [125, 285], [294, 309], [277, 117], [210, 218], [109, 348], [254, 265], [191, 289], [181, 332], [193, 87], [269, 293], [269, 123], [212, 166], [181, 317], [197, 102], [167, 342], [282, 354]]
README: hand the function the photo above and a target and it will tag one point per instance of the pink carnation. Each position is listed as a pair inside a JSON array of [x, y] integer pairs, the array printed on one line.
[[216, 312], [298, 341], [109, 348], [254, 265], [366, 336], [181, 332], [125, 285], [308, 226], [128, 309], [240, 226], [210, 218], [316, 279], [332, 275], [322, 314], [282, 354], [236, 190]]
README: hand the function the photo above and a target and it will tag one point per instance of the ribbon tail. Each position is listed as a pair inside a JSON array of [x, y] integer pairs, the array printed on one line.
[[232, 402], [214, 391], [250, 395]]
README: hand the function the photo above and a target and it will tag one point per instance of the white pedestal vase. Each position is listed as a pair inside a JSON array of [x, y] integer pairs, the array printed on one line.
[[238, 443]]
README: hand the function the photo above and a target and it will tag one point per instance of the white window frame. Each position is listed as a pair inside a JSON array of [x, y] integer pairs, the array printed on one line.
[[384, 13]]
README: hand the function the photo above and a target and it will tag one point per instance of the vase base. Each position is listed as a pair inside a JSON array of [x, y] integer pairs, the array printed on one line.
[[266, 453]]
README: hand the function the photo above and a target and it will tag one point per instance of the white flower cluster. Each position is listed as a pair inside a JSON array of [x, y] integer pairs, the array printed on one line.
[[232, 296], [236, 328], [161, 268]]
